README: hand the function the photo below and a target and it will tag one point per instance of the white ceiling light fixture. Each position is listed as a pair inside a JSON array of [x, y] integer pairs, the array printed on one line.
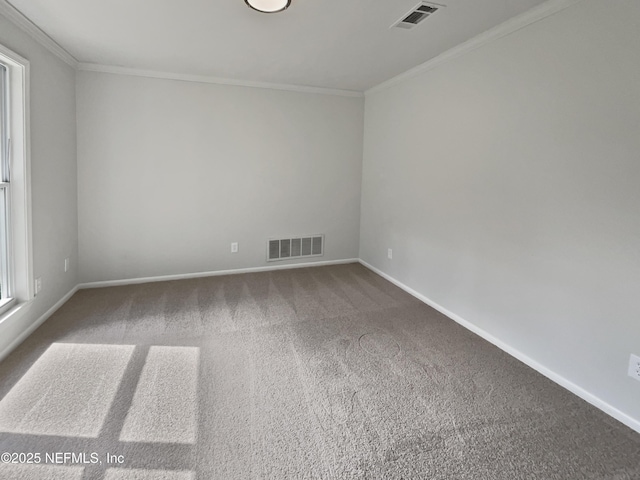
[[268, 6]]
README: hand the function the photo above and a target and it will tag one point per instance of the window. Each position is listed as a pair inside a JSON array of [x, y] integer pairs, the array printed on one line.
[[5, 190], [15, 206]]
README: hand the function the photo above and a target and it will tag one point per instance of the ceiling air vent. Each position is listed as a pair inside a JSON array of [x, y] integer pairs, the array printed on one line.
[[417, 15], [297, 247]]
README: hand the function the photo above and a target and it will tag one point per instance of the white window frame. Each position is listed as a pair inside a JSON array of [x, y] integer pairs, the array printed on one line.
[[16, 244]]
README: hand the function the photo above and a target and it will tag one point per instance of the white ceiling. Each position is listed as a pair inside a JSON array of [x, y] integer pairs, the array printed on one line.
[[340, 44]]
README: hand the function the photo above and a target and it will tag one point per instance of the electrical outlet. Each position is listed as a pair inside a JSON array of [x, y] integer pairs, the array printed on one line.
[[634, 367], [389, 254], [234, 247], [38, 285], [66, 264]]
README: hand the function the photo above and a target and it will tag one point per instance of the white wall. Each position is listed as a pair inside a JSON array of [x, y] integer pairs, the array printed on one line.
[[507, 182], [53, 178], [171, 172]]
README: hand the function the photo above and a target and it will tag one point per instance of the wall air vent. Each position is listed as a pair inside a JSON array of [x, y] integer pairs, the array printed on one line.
[[296, 247], [417, 14]]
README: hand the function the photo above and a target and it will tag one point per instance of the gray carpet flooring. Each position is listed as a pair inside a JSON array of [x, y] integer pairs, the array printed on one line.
[[316, 373]]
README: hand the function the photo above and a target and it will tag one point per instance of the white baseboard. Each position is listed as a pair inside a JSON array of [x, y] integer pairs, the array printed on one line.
[[550, 374], [23, 336], [215, 273]]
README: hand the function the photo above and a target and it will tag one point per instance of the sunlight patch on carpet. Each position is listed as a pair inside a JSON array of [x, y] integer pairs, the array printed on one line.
[[67, 392], [165, 404], [138, 474]]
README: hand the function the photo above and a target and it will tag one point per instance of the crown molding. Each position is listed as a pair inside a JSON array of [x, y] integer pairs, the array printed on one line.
[[512, 25], [134, 72], [20, 20]]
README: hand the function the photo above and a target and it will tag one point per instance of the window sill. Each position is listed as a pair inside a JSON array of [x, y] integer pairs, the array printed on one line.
[[6, 304], [9, 307]]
